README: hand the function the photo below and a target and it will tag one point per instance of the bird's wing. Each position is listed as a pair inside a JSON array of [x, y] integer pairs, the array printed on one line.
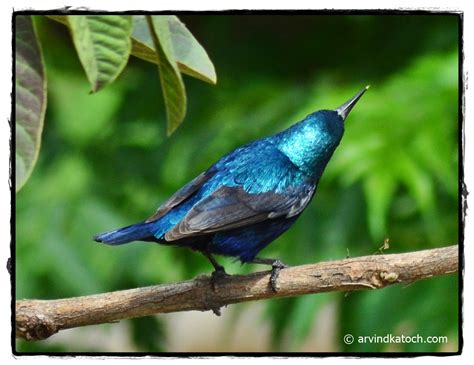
[[232, 207], [182, 194]]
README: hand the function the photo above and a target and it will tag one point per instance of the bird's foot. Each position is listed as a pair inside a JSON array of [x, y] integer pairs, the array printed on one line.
[[277, 266], [217, 276]]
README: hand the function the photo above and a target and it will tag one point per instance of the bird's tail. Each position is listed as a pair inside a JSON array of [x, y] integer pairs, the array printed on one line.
[[135, 232]]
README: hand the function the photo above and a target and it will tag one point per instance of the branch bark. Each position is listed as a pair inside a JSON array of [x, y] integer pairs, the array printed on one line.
[[39, 319]]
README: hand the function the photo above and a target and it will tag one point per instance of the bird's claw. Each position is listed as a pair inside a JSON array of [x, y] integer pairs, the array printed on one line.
[[277, 266], [216, 276], [216, 311]]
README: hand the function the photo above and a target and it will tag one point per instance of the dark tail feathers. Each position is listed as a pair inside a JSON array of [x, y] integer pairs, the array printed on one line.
[[135, 232]]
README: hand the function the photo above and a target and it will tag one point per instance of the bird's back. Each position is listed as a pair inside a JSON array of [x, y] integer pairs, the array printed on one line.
[[254, 169]]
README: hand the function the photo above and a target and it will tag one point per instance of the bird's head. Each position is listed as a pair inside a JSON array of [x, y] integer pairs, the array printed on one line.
[[310, 143]]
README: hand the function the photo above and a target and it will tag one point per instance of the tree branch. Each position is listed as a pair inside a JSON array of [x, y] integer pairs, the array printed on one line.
[[39, 319]]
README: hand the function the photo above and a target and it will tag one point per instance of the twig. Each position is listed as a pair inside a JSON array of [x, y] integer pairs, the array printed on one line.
[[39, 319]]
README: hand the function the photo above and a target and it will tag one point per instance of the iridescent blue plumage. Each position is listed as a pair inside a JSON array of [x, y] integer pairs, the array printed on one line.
[[250, 196]]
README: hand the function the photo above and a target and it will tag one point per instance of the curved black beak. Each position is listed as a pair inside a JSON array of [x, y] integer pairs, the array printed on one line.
[[346, 108]]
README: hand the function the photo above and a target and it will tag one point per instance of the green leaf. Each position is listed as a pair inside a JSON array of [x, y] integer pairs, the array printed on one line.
[[191, 57], [30, 98], [103, 45], [171, 82], [59, 18]]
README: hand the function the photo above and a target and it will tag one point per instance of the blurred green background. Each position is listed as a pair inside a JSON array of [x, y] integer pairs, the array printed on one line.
[[105, 162]]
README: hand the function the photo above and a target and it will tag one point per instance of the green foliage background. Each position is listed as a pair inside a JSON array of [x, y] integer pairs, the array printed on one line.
[[106, 162]]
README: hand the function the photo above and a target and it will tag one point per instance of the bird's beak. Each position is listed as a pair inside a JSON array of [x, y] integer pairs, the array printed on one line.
[[346, 108]]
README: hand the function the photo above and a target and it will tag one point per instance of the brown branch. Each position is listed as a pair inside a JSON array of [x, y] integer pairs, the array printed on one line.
[[39, 319]]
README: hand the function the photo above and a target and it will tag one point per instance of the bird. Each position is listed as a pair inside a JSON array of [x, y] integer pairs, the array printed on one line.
[[249, 197]]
